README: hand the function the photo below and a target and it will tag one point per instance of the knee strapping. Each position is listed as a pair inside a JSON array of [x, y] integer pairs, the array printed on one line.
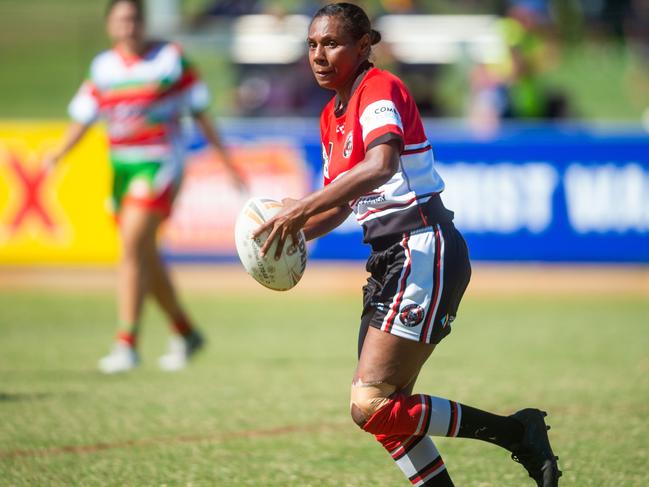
[[367, 398]]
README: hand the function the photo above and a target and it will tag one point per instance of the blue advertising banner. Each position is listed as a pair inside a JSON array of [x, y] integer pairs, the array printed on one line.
[[552, 193]]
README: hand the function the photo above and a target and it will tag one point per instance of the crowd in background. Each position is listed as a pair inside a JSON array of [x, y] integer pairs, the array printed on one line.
[[533, 31]]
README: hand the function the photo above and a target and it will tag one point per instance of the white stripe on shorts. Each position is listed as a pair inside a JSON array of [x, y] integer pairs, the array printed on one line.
[[392, 316], [440, 282], [416, 286]]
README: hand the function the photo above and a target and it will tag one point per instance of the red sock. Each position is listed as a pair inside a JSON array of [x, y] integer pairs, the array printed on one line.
[[402, 426], [127, 338], [417, 415], [182, 326], [400, 417]]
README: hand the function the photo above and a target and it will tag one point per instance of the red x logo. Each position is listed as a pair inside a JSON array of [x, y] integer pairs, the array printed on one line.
[[31, 184]]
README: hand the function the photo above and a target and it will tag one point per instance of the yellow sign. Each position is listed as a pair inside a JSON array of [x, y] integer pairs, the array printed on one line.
[[58, 216], [62, 216]]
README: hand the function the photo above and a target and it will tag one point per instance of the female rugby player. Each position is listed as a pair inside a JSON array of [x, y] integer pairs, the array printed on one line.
[[141, 88], [378, 163]]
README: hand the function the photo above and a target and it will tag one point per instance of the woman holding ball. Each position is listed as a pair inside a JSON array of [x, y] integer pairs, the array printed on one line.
[[378, 164], [141, 88]]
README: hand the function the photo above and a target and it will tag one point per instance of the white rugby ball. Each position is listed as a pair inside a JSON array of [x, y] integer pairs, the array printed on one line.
[[281, 274]]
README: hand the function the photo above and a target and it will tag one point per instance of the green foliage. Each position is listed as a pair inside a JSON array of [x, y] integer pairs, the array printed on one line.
[[266, 402], [602, 81], [47, 47]]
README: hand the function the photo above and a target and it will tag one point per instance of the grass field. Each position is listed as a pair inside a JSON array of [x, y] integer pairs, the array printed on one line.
[[266, 403]]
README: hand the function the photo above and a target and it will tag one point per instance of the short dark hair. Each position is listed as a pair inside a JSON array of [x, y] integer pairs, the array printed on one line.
[[139, 7], [355, 21]]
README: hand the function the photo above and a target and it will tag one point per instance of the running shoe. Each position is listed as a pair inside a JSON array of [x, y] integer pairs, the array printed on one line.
[[122, 358], [534, 451], [181, 349]]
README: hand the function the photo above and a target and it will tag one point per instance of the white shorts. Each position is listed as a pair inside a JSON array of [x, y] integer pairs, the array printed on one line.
[[417, 282]]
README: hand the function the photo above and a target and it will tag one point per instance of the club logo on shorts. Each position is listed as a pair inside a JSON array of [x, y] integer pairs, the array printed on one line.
[[447, 320], [349, 145], [411, 315]]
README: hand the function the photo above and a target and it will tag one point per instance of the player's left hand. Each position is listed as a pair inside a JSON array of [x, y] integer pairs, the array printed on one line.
[[288, 222]]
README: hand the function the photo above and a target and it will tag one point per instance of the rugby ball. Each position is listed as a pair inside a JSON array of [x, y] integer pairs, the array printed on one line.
[[282, 274]]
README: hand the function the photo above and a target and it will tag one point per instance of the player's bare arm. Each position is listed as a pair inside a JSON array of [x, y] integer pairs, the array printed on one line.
[[379, 165], [323, 223], [214, 139], [74, 134]]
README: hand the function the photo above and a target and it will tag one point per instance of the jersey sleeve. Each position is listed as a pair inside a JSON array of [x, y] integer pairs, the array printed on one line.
[[382, 108], [198, 97], [84, 107], [195, 91]]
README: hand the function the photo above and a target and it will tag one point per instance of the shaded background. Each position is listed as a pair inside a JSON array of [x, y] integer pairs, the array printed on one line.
[[537, 111]]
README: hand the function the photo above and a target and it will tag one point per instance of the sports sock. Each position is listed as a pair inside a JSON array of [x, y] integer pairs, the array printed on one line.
[[503, 431], [420, 415], [418, 459], [417, 415], [182, 326], [127, 337], [443, 479]]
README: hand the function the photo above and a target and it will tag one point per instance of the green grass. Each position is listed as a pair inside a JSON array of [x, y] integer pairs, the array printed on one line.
[[266, 403], [47, 47]]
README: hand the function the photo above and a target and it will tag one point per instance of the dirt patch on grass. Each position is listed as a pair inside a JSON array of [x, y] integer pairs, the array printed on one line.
[[147, 442], [348, 277]]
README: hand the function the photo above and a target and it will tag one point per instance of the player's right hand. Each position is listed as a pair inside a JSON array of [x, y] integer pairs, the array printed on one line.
[[288, 222]]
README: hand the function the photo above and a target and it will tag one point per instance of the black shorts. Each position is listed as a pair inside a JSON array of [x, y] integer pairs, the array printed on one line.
[[416, 284]]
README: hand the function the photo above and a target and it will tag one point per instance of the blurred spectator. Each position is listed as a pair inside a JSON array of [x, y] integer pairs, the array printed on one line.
[[514, 87]]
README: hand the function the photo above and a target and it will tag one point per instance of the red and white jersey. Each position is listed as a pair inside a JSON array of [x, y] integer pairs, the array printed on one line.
[[380, 110], [141, 99]]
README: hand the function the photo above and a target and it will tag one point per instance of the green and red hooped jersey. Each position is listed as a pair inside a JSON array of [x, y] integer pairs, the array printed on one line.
[[141, 100], [381, 109]]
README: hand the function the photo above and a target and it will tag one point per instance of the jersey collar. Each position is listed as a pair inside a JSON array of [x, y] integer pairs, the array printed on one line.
[[131, 59], [339, 110]]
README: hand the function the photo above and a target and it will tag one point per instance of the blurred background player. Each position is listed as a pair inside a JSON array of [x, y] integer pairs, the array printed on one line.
[[378, 163], [141, 89]]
